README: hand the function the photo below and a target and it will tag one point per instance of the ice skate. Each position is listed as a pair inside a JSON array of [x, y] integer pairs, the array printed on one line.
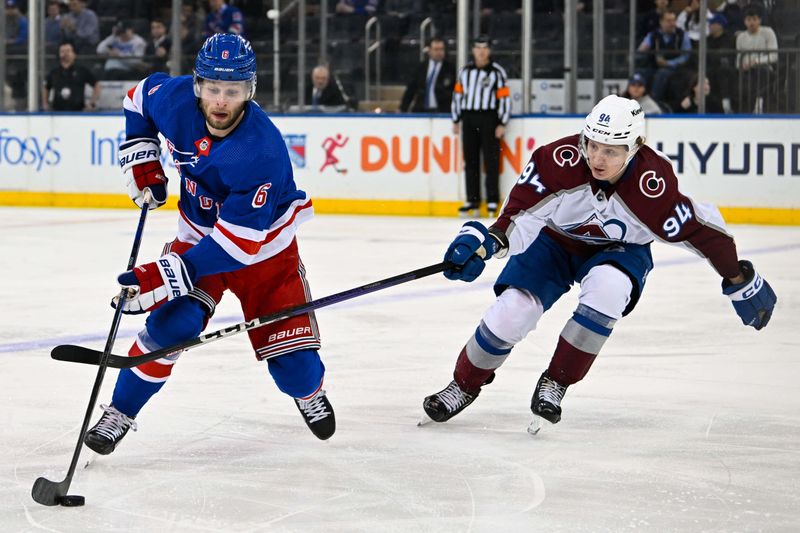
[[491, 207], [109, 430], [317, 411], [468, 210], [546, 402], [449, 401]]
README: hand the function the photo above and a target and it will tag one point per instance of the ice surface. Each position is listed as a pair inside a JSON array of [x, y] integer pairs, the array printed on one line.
[[688, 421]]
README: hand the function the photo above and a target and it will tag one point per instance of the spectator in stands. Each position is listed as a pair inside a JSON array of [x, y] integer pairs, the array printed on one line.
[[191, 25], [357, 7], [52, 23], [690, 103], [755, 61], [324, 90], [720, 60], [732, 12], [431, 88], [637, 90], [16, 45], [689, 21], [125, 51], [16, 26], [648, 22], [68, 82], [667, 50], [223, 18], [81, 27], [158, 46]]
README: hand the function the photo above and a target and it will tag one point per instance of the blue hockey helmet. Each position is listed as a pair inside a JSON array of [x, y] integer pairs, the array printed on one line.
[[226, 57]]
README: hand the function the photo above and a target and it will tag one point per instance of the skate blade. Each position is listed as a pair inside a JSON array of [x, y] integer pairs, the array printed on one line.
[[90, 460], [536, 425], [424, 421]]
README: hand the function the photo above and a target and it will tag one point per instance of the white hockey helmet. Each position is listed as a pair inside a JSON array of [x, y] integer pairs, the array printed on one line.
[[615, 120]]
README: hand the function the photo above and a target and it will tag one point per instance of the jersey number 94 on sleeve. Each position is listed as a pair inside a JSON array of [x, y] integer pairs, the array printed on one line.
[[529, 175], [672, 226]]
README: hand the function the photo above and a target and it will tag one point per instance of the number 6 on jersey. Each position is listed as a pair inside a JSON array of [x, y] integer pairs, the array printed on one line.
[[261, 195]]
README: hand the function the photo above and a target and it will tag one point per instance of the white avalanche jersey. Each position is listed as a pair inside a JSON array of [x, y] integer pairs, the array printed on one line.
[[557, 194]]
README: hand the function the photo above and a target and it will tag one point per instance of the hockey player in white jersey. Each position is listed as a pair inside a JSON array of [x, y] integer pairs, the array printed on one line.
[[585, 209]]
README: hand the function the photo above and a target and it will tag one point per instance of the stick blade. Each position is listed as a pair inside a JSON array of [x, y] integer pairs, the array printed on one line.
[[76, 354], [87, 356], [48, 492]]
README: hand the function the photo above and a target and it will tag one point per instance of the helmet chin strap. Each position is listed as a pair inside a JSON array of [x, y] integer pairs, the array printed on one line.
[[631, 153]]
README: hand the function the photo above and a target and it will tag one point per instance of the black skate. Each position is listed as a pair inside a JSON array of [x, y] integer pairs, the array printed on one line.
[[109, 430], [547, 396], [468, 210], [317, 411], [450, 401]]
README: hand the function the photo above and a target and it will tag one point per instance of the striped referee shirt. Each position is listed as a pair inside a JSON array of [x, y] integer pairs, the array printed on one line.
[[481, 89]]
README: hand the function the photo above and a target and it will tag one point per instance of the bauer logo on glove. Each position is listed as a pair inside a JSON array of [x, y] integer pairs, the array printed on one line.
[[140, 161], [150, 285]]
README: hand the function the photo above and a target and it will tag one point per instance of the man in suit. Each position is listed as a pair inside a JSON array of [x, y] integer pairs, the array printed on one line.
[[431, 88], [324, 90]]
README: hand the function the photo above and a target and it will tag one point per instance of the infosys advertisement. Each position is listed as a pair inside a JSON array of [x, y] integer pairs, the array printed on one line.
[[732, 162]]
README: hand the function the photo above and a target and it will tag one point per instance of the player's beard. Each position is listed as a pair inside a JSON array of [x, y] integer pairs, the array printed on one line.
[[224, 123]]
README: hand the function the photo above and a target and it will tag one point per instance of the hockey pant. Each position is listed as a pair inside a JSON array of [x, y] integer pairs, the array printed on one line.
[[290, 345], [605, 294]]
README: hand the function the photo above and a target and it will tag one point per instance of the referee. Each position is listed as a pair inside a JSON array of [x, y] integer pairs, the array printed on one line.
[[481, 101]]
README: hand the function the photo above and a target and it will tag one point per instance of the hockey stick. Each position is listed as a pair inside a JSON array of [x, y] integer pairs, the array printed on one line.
[[48, 492], [79, 354]]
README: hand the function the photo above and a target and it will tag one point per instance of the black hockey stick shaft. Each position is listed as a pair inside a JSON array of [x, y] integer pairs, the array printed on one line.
[[48, 492], [78, 354]]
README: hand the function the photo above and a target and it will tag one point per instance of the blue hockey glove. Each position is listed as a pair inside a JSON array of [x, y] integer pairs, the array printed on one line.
[[753, 299], [469, 251]]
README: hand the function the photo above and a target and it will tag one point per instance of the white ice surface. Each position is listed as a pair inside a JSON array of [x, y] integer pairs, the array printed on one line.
[[688, 421]]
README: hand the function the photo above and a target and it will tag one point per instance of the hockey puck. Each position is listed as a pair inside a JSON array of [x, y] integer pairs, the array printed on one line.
[[71, 501]]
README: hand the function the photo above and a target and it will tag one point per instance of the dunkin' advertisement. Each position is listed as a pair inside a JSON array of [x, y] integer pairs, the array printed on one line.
[[733, 162]]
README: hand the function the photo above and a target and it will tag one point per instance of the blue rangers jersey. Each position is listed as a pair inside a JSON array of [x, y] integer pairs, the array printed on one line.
[[239, 203]]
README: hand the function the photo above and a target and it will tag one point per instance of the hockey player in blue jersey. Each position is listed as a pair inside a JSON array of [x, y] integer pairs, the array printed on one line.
[[238, 212]]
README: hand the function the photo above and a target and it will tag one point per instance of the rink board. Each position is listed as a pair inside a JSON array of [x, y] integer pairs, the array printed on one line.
[[409, 165]]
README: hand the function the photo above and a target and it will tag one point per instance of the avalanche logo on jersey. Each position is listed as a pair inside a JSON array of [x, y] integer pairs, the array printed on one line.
[[650, 185], [566, 154], [594, 230]]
